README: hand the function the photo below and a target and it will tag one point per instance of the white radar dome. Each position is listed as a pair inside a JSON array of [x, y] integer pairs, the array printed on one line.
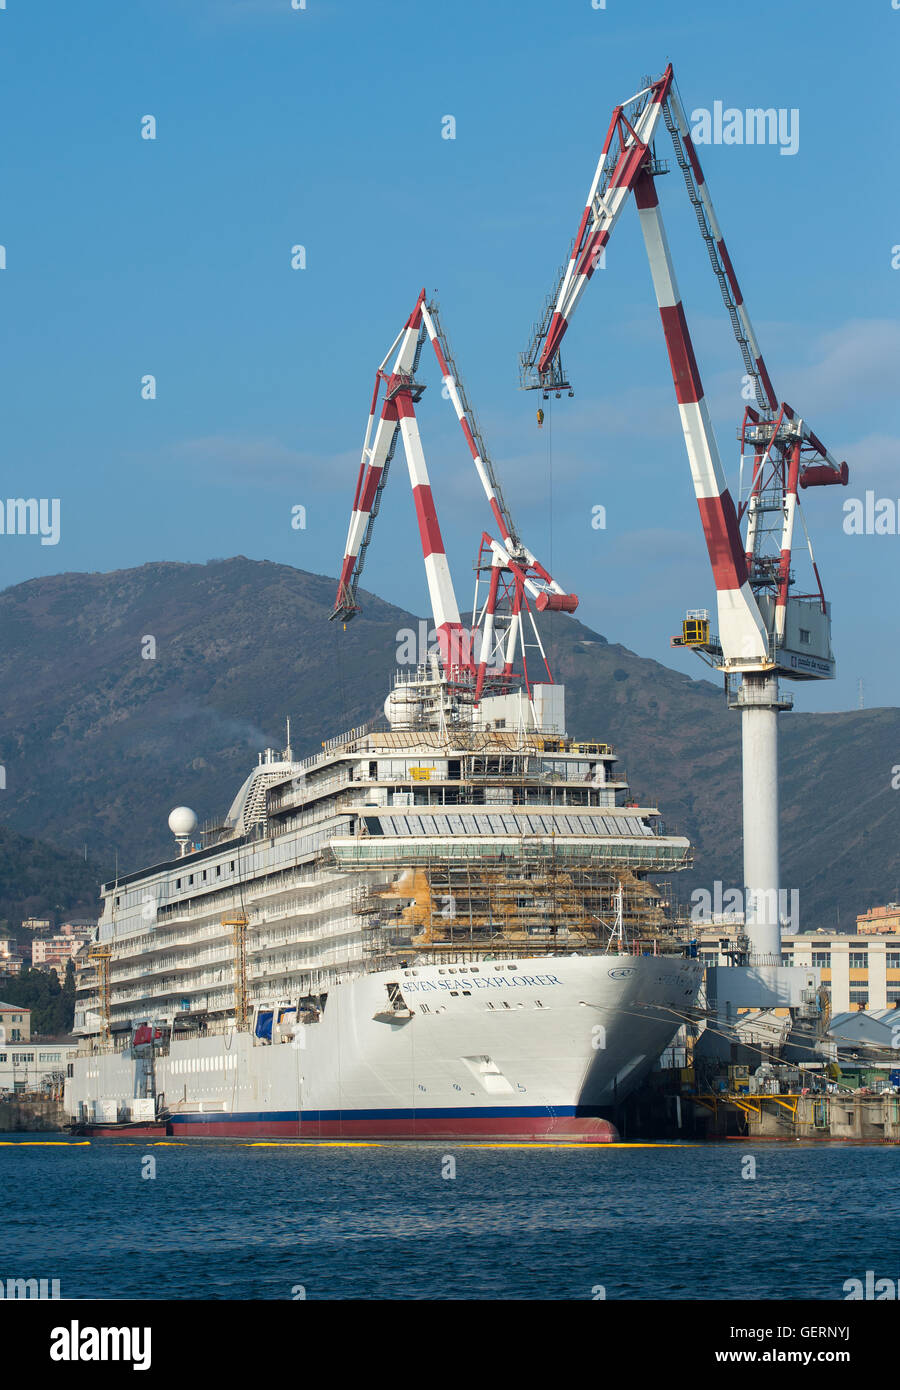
[[182, 820]]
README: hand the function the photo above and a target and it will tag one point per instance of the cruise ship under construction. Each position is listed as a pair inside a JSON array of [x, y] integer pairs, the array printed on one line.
[[442, 924]]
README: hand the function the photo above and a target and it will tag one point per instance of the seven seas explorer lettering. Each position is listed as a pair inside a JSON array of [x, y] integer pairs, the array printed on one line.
[[489, 982]]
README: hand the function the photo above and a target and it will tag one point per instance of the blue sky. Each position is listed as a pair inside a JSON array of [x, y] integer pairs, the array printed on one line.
[[322, 127]]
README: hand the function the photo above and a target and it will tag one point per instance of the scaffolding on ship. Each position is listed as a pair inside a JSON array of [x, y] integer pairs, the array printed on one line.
[[531, 903]]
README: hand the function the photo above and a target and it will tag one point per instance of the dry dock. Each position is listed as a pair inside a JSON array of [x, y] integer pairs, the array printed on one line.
[[859, 1117]]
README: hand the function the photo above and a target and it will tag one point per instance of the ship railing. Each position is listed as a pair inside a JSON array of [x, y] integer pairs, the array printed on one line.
[[339, 741], [301, 793], [165, 989], [130, 966], [166, 963], [297, 963], [645, 853]]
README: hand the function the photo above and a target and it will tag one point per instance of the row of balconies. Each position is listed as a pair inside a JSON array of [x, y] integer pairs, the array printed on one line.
[[156, 932], [212, 932], [296, 963], [225, 953]]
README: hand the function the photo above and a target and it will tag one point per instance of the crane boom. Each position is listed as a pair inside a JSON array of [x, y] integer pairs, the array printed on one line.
[[764, 630], [624, 152], [752, 576], [741, 629], [398, 417], [514, 574]]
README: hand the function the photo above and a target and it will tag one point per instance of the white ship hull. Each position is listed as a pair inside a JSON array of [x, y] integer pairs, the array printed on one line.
[[530, 1049]]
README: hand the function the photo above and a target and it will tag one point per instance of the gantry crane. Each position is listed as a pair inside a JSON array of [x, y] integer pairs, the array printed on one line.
[[766, 630], [481, 657]]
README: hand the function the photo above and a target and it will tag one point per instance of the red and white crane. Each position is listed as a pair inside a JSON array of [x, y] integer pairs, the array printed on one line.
[[766, 630], [480, 658]]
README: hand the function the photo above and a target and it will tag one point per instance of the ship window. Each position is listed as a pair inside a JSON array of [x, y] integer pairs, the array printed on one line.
[[218, 870], [804, 634], [454, 993], [231, 866], [204, 875], [373, 769], [467, 991], [190, 878], [178, 883]]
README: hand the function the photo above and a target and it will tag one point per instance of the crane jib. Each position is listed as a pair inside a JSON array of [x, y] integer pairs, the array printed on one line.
[[786, 454]]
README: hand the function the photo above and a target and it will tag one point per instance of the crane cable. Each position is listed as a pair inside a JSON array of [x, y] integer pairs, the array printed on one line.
[[341, 687], [550, 484]]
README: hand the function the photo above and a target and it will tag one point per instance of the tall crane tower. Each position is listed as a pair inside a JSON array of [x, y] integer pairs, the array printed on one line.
[[479, 658], [766, 629]]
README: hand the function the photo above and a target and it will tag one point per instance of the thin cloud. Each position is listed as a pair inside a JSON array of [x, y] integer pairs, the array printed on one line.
[[267, 462], [874, 461]]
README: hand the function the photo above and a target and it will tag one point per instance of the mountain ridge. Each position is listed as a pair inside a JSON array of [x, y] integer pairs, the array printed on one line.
[[100, 741]]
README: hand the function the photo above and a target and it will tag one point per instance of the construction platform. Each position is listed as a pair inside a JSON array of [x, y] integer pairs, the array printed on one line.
[[858, 1117]]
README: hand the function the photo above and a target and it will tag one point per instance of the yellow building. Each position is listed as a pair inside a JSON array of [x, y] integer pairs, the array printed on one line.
[[879, 920], [859, 972], [15, 1023]]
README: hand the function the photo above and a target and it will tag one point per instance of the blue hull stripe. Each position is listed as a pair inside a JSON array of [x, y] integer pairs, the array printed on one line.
[[448, 1113]]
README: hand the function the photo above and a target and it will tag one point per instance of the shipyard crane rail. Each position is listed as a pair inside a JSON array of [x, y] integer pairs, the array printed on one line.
[[765, 629]]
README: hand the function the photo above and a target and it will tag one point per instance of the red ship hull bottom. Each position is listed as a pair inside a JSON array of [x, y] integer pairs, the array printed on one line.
[[587, 1129]]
